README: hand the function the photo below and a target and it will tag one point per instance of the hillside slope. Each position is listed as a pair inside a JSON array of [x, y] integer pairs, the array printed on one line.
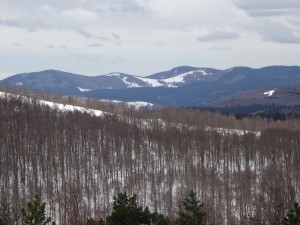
[[78, 161], [181, 86]]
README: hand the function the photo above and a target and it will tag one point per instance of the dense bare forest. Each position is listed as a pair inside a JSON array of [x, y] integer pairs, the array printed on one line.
[[247, 172]]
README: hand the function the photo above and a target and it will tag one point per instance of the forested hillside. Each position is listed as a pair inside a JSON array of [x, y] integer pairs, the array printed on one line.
[[247, 172]]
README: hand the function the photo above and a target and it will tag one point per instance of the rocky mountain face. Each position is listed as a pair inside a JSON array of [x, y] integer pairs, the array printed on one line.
[[181, 86]]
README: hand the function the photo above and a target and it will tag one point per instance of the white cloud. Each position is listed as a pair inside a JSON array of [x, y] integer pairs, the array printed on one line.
[[218, 35], [277, 32], [148, 34], [277, 6]]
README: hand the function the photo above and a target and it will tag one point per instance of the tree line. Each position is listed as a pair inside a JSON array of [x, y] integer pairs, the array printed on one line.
[[127, 212], [246, 171]]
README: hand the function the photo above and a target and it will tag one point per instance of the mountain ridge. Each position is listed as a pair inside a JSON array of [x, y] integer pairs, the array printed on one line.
[[180, 86]]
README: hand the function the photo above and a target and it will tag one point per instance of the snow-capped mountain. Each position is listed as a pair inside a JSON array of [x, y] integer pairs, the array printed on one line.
[[55, 79], [180, 86]]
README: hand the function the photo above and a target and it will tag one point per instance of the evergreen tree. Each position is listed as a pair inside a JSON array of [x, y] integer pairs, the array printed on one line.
[[160, 219], [293, 217], [91, 221], [126, 212], [34, 213], [192, 214]]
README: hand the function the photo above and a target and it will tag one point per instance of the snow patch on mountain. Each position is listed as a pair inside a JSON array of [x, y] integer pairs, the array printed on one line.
[[269, 93], [130, 84], [150, 82], [72, 108], [181, 77], [132, 81], [83, 89], [53, 105], [136, 104], [139, 104], [113, 75], [228, 131]]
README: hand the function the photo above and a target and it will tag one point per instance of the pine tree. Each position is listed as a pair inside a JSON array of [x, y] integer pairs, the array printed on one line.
[[160, 219], [293, 217], [126, 212], [34, 213], [91, 221], [192, 214]]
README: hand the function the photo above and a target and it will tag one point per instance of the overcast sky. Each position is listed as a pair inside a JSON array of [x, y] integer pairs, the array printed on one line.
[[141, 37]]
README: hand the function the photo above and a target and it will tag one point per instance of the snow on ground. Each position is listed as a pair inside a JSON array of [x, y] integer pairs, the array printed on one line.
[[180, 78], [168, 82], [130, 85], [72, 108], [233, 131], [83, 89], [151, 82], [59, 106], [139, 104], [113, 75], [136, 104], [269, 93]]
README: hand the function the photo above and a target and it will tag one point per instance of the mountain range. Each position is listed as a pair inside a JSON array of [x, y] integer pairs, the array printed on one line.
[[181, 86]]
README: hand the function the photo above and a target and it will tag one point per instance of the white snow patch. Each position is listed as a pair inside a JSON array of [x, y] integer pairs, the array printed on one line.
[[19, 84], [59, 106], [72, 108], [83, 89], [130, 85], [238, 132], [113, 75], [139, 104], [150, 82], [269, 93], [112, 101], [180, 78], [136, 104]]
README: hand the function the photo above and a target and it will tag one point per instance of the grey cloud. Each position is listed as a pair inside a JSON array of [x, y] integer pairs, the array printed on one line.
[[218, 35], [127, 6], [97, 58], [268, 4], [50, 47], [117, 37], [88, 34], [17, 45], [217, 48], [97, 6], [277, 32], [85, 33], [269, 7], [10, 22], [95, 45]]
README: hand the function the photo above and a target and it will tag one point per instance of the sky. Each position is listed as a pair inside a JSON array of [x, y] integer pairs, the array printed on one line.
[[142, 37]]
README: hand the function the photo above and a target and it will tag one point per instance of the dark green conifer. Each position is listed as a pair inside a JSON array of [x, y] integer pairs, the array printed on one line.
[[293, 217], [126, 212], [160, 219], [35, 213], [91, 221], [192, 213]]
